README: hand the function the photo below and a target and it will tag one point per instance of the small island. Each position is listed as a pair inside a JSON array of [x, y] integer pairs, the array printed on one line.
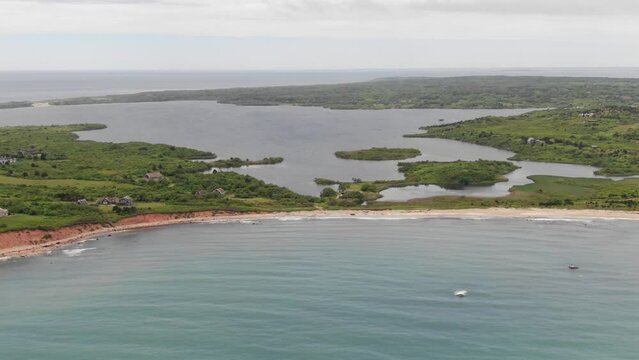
[[379, 154], [236, 162], [324, 181]]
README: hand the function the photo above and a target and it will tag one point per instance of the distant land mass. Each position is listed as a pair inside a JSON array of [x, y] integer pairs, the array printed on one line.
[[466, 92]]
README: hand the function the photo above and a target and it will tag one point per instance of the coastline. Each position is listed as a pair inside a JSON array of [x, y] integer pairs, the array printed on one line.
[[25, 243]]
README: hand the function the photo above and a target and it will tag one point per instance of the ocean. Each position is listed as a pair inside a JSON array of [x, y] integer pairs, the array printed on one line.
[[331, 289]]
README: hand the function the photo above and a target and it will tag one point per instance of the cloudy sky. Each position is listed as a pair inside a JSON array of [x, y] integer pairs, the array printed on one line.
[[314, 34]]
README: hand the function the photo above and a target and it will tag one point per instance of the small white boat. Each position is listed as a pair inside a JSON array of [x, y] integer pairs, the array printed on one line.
[[573, 267], [461, 293]]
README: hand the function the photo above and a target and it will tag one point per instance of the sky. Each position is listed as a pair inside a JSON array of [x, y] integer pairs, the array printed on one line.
[[313, 34]]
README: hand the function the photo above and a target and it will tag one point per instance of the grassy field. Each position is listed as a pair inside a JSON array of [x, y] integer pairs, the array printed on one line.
[[379, 154], [24, 221], [584, 192], [81, 184], [487, 92], [605, 137]]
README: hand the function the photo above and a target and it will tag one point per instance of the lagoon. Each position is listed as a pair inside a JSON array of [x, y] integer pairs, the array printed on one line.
[[307, 138]]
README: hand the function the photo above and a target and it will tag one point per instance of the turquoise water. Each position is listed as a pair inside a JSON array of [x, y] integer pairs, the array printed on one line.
[[331, 289]]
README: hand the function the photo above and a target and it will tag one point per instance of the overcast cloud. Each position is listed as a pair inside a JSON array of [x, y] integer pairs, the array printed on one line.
[[546, 7], [428, 19], [574, 23]]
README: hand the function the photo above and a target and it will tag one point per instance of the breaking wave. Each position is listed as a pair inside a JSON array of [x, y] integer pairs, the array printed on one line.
[[76, 252]]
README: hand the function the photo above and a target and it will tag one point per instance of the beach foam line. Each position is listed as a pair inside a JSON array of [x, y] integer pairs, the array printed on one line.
[[228, 221], [550, 220], [375, 218], [157, 220]]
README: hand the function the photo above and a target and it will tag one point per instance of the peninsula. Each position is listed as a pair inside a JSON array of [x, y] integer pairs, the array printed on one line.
[[464, 92]]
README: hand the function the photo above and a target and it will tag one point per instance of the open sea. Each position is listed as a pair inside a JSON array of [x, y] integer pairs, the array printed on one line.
[[331, 289]]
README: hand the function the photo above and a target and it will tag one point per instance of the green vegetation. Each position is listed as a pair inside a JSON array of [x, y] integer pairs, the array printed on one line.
[[486, 92], [605, 137], [378, 154], [52, 152], [15, 104], [584, 192], [328, 193], [54, 170], [236, 162], [456, 174], [62, 182], [450, 175]]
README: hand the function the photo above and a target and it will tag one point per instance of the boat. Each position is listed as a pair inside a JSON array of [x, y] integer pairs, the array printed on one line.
[[573, 267], [461, 293]]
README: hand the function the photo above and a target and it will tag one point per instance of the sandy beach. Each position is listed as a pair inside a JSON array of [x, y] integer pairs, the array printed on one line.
[[35, 242]]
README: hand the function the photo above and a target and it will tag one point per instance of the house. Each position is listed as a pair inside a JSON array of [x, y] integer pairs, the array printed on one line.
[[28, 153], [108, 201], [82, 202], [533, 141], [6, 160], [220, 191], [153, 176], [4, 212], [125, 201], [588, 114]]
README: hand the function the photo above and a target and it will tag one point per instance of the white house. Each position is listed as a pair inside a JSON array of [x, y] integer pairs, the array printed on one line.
[[6, 160], [4, 212]]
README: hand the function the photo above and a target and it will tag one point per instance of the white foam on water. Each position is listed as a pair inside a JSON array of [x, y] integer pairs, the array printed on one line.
[[85, 240], [250, 222], [5, 258], [76, 252], [292, 218]]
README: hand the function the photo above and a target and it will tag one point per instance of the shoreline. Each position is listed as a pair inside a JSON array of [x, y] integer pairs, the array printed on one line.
[[25, 243]]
